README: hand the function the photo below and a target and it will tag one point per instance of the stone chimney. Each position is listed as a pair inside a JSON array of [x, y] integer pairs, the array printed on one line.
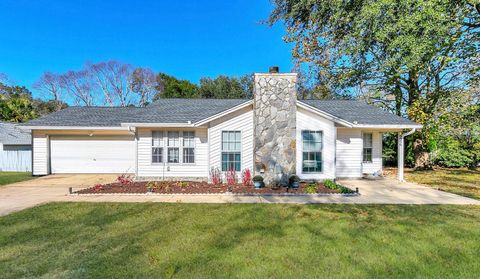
[[275, 96]]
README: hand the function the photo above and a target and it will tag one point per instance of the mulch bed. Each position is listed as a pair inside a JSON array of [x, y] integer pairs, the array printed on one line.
[[189, 187]]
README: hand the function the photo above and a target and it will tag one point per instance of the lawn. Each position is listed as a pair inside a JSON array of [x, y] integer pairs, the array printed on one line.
[[114, 240], [12, 177], [463, 182]]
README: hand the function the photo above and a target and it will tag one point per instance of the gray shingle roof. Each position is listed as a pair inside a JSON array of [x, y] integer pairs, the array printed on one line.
[[10, 135], [358, 111], [162, 111], [87, 116], [184, 110], [194, 110]]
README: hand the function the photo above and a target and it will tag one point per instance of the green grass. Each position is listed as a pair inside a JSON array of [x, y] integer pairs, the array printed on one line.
[[113, 240], [12, 177], [458, 181]]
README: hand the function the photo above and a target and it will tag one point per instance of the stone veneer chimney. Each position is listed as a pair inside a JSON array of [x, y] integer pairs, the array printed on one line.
[[275, 108]]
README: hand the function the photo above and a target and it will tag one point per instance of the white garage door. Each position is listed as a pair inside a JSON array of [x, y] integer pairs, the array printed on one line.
[[92, 155]]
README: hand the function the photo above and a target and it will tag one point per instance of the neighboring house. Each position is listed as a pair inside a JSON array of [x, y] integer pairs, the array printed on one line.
[[274, 135], [15, 148]]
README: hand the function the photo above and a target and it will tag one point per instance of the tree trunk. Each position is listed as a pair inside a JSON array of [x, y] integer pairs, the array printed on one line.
[[421, 155]]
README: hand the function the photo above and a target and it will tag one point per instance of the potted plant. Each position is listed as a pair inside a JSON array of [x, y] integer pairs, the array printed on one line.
[[258, 181], [294, 181]]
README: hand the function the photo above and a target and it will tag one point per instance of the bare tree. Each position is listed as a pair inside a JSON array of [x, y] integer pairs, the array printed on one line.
[[142, 84], [112, 78], [79, 87], [51, 86]]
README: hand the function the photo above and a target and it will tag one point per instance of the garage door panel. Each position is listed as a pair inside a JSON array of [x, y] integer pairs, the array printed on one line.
[[92, 155]]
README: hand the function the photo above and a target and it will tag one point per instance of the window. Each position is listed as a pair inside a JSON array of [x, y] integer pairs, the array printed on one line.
[[173, 147], [157, 147], [231, 150], [189, 147], [312, 151], [367, 147]]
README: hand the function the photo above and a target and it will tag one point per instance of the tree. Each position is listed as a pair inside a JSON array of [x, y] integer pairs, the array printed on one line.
[[113, 78], [78, 86], [419, 52], [16, 104], [51, 86], [143, 84], [171, 87]]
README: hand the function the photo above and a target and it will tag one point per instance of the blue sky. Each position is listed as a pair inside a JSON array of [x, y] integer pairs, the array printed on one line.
[[188, 39]]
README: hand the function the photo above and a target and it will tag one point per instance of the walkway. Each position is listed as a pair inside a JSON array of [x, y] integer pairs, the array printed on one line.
[[52, 188]]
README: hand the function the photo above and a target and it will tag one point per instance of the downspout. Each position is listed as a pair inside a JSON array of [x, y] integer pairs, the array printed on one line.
[[134, 133], [401, 153]]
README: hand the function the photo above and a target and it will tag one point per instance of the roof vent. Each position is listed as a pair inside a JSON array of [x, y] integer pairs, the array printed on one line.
[[274, 70]]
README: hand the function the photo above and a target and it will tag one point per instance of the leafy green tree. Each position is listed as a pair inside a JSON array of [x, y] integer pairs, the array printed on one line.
[[411, 54], [223, 87], [171, 87]]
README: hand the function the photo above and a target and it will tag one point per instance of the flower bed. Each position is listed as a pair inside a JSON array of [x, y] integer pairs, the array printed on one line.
[[190, 187]]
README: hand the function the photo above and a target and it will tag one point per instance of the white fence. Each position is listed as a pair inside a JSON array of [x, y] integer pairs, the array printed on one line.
[[16, 158]]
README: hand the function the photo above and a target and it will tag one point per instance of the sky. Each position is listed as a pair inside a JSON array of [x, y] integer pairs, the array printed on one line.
[[187, 39]]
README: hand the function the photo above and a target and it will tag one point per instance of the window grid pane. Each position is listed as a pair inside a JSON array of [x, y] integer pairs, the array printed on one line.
[[157, 138], [189, 155], [173, 154], [173, 139], [312, 151], [231, 150], [157, 154]]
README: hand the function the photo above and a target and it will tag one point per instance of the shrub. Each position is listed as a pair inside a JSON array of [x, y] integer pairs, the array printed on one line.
[[311, 188], [344, 190], [231, 177], [151, 185], [215, 176], [182, 184], [98, 187], [294, 178], [258, 178], [330, 184], [124, 179], [246, 177]]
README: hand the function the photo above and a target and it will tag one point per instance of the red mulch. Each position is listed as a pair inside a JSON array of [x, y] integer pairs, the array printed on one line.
[[189, 187]]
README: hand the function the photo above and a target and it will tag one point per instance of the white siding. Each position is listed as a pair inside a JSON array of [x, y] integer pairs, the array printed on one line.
[[376, 164], [16, 158], [146, 168], [309, 121], [238, 121], [350, 153], [40, 153]]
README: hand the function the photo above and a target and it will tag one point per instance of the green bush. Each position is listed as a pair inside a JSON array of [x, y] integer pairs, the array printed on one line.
[[257, 178], [330, 184], [454, 157], [311, 188], [344, 190]]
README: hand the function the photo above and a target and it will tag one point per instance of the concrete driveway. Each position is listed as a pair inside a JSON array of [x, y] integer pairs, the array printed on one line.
[[18, 196], [21, 195]]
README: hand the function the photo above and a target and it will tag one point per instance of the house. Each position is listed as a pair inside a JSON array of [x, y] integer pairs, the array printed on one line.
[[274, 135], [15, 149]]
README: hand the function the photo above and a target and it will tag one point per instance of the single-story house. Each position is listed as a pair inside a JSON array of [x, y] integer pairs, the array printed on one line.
[[15, 148], [274, 135]]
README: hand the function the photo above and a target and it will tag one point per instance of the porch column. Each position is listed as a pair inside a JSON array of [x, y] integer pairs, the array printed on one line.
[[400, 156]]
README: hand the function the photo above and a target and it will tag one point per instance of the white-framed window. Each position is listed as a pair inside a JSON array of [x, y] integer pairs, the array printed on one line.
[[312, 144], [231, 150], [367, 147], [173, 147], [188, 147], [157, 147]]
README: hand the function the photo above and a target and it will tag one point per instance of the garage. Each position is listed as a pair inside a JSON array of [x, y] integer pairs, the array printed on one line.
[[105, 154]]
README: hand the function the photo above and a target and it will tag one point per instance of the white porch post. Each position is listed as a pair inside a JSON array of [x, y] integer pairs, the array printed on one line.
[[401, 153], [400, 157]]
